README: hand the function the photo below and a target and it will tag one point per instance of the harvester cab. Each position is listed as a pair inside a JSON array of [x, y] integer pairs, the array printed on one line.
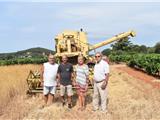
[[72, 44]]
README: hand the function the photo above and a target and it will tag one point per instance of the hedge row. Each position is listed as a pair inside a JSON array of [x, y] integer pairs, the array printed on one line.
[[147, 62], [23, 61]]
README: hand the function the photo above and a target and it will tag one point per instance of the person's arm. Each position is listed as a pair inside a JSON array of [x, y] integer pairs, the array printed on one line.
[[87, 74], [106, 78], [106, 71], [73, 74], [58, 75], [58, 79], [41, 75], [73, 78]]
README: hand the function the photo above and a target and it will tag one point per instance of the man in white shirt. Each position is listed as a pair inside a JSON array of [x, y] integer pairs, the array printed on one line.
[[101, 75], [49, 79]]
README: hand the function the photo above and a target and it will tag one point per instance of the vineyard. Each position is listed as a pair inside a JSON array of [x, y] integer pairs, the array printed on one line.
[[23, 61], [150, 63]]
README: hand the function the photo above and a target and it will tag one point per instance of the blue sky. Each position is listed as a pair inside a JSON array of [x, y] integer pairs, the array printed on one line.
[[35, 24]]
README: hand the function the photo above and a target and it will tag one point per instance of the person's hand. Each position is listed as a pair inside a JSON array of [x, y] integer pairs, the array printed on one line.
[[42, 83], [58, 83], [104, 85], [74, 83], [86, 87]]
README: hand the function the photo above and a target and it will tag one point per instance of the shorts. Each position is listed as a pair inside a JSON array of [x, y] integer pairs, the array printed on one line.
[[81, 88], [64, 88], [49, 89]]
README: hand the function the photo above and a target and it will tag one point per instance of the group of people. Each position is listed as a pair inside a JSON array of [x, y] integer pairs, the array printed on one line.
[[64, 76]]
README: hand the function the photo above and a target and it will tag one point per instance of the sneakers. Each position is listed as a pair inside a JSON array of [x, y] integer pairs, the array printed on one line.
[[104, 111], [101, 111], [94, 110], [63, 104], [69, 106]]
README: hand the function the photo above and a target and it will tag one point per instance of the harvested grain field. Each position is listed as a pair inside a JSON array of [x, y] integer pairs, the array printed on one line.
[[129, 98]]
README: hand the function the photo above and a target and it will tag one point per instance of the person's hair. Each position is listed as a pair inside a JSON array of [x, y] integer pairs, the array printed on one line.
[[99, 53], [51, 55], [65, 56], [81, 57]]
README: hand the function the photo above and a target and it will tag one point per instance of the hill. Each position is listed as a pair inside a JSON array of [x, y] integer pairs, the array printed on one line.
[[32, 52]]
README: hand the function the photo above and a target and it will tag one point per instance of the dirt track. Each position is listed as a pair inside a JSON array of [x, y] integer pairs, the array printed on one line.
[[140, 75], [129, 99]]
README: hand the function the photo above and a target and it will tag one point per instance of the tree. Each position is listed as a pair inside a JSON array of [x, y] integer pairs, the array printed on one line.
[[157, 48], [106, 51], [122, 45], [143, 49], [150, 50]]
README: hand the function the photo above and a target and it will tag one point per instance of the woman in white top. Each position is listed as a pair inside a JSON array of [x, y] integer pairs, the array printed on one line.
[[82, 78]]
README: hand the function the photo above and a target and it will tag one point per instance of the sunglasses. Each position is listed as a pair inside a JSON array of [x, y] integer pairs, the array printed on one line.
[[97, 56]]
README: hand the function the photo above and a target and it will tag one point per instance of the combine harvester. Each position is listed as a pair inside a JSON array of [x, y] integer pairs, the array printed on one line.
[[73, 44]]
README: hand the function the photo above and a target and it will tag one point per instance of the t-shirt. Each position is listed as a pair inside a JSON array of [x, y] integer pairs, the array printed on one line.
[[65, 71], [82, 72], [100, 69], [49, 74]]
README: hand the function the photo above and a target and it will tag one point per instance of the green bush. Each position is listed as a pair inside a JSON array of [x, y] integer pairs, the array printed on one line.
[[23, 61], [147, 62]]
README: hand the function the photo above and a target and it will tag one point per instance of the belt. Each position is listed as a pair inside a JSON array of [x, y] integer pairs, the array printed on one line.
[[99, 81]]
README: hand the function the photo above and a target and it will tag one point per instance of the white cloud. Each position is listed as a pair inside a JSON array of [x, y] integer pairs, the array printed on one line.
[[107, 17]]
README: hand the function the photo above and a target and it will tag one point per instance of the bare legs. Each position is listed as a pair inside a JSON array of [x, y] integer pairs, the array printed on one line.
[[81, 99], [48, 99], [62, 100]]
